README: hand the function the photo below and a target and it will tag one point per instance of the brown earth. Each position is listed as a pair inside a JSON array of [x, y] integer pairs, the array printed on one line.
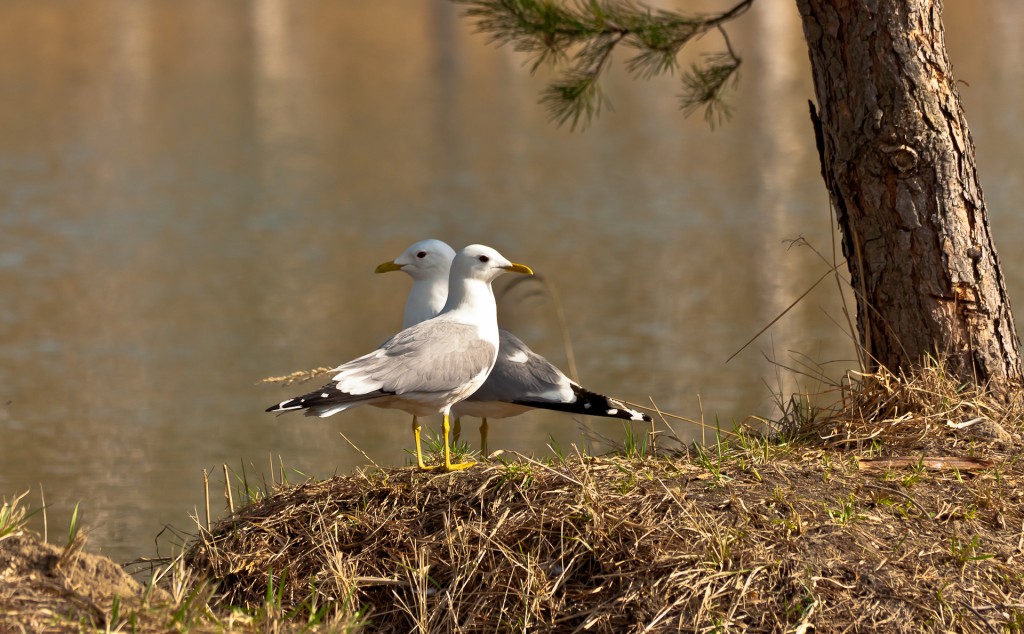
[[769, 538], [46, 588]]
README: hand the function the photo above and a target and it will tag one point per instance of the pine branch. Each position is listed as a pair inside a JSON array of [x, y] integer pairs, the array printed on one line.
[[581, 36], [704, 85], [575, 98]]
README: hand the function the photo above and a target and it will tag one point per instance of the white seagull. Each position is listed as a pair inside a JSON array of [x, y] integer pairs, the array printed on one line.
[[521, 379], [428, 367]]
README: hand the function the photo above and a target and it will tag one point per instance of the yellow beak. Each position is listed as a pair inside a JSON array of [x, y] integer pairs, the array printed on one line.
[[387, 267], [518, 268]]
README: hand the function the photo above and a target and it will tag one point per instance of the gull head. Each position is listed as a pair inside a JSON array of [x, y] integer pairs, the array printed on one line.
[[484, 263], [424, 260]]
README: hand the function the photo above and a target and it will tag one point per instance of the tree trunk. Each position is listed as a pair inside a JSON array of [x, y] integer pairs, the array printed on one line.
[[898, 161]]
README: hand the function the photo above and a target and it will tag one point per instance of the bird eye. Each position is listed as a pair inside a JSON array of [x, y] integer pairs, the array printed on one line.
[[484, 258], [421, 254]]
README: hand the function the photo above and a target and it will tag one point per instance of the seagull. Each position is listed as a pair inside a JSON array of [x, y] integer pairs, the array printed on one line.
[[430, 366], [521, 379], [428, 263]]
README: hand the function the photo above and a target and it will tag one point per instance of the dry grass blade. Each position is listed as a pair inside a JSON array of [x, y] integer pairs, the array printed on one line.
[[933, 463]]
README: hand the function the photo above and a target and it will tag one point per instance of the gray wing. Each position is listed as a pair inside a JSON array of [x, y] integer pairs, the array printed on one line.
[[523, 377], [520, 374], [432, 356]]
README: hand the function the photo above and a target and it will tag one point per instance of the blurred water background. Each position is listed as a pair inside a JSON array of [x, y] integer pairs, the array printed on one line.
[[194, 194]]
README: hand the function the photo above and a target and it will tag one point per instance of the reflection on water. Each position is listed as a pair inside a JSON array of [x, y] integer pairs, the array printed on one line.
[[193, 195]]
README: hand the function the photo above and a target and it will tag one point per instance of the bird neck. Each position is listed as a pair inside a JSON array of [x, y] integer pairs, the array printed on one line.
[[426, 299], [472, 301]]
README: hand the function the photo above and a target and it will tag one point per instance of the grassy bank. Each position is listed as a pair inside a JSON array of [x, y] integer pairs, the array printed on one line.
[[900, 511], [772, 538]]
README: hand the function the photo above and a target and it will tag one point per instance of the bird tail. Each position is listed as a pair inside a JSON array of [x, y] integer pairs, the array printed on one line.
[[590, 404]]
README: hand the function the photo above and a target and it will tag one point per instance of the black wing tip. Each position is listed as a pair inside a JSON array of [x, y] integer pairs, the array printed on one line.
[[290, 404], [327, 395], [589, 408], [589, 403], [613, 408], [306, 400], [627, 413]]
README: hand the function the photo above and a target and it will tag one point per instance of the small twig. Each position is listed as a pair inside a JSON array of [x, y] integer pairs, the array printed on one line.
[[556, 302], [42, 499], [354, 446], [781, 315], [661, 415], [728, 44], [206, 496], [570, 356], [734, 12], [903, 495], [227, 491], [834, 582], [682, 418], [1001, 606], [743, 591], [544, 466], [654, 446], [970, 607]]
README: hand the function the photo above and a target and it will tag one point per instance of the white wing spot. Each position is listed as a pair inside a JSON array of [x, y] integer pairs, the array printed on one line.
[[518, 357], [324, 395], [613, 412], [586, 406]]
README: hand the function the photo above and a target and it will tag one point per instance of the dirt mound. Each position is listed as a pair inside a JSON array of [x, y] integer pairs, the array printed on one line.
[[764, 538], [43, 588]]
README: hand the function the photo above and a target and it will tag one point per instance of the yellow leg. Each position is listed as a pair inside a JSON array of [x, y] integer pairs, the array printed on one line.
[[419, 449], [483, 437], [448, 466], [456, 431]]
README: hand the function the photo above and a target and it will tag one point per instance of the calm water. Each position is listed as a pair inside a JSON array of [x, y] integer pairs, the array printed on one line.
[[193, 195]]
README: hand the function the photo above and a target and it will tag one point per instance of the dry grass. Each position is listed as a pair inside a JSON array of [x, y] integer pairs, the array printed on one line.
[[612, 545], [763, 535], [47, 588], [912, 410], [884, 513]]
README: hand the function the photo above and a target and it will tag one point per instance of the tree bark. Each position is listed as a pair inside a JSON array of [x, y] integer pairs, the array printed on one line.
[[898, 161]]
